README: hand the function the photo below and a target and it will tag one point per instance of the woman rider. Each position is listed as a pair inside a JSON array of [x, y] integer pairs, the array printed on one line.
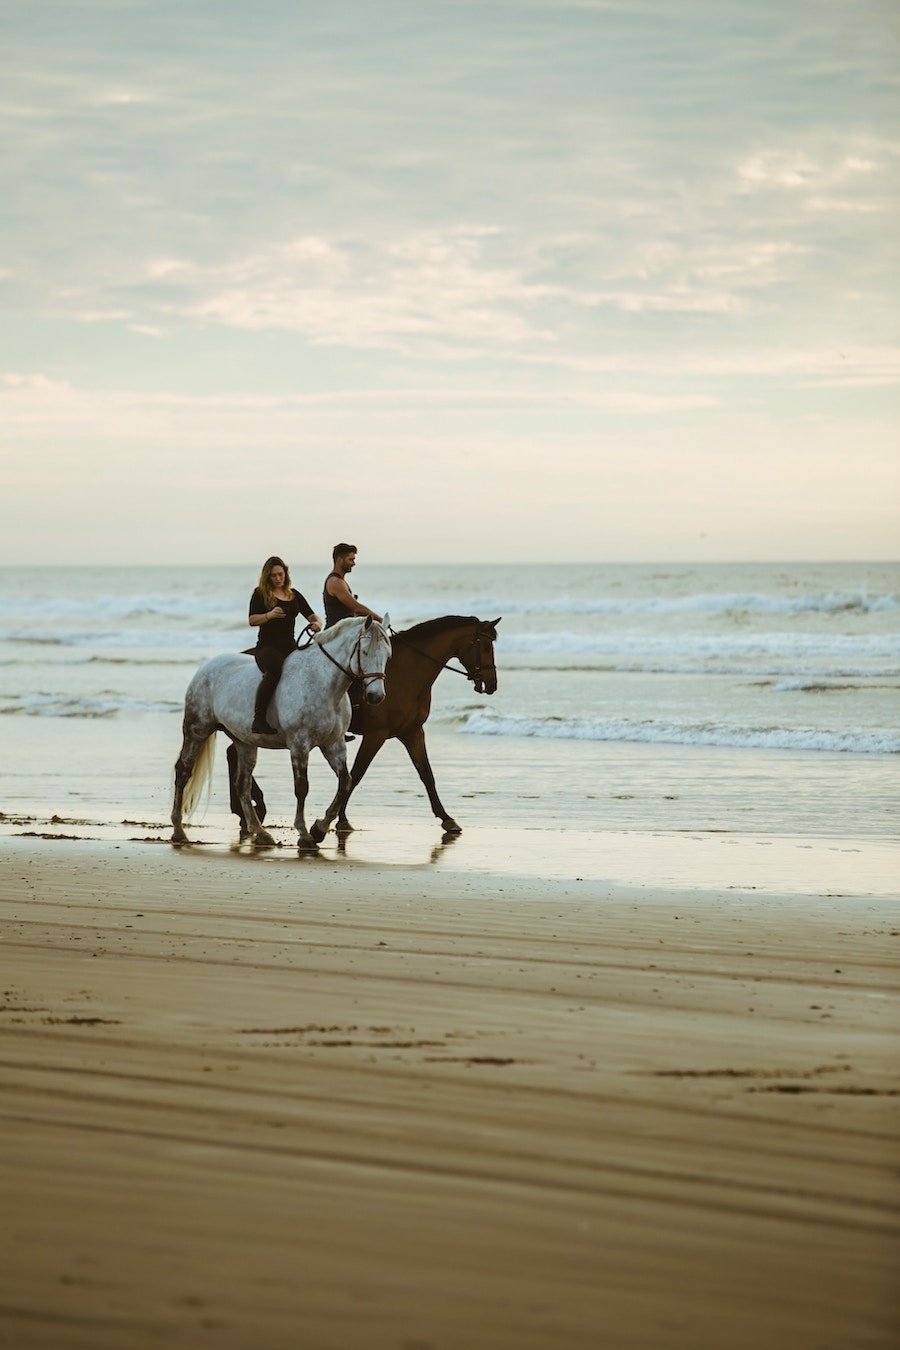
[[274, 607]]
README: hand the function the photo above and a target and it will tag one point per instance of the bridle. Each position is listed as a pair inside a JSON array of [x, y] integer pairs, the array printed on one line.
[[357, 652], [479, 665]]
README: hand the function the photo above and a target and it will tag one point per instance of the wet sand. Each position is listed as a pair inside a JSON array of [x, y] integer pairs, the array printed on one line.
[[262, 1101]]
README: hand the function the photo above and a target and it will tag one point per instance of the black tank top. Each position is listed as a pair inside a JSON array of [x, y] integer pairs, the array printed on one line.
[[335, 610]]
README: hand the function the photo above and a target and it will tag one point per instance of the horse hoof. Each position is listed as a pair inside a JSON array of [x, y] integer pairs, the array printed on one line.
[[263, 839], [343, 827], [179, 837], [450, 826], [318, 832], [308, 845]]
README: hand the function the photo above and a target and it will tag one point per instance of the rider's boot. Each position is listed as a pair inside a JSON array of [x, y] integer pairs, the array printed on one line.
[[260, 725]]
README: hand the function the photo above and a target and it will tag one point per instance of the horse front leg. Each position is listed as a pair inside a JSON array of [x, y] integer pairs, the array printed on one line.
[[371, 744], [336, 755], [415, 748], [300, 766], [251, 825]]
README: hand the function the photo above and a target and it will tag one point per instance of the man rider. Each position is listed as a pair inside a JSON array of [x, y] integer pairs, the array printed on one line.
[[339, 601], [337, 597]]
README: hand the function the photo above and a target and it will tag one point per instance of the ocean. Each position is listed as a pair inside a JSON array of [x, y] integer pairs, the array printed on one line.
[[636, 702]]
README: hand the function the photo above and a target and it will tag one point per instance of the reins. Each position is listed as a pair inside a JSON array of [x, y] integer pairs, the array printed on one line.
[[445, 665], [475, 675], [357, 646]]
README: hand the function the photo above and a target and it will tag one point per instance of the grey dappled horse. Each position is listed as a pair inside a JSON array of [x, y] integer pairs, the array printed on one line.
[[310, 708]]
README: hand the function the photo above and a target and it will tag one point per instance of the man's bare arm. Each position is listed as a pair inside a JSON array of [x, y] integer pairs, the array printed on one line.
[[338, 587]]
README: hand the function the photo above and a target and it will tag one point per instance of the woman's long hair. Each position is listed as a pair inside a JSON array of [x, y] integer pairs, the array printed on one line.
[[264, 584]]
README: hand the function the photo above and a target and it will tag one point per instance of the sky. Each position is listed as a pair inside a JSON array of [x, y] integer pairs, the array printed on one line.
[[487, 281]]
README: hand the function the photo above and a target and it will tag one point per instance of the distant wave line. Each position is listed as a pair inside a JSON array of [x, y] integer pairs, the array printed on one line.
[[620, 645], [59, 705], [835, 602], [668, 733], [187, 607]]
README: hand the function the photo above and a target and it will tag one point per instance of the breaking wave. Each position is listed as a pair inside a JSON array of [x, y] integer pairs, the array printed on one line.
[[59, 705], [485, 723], [712, 603]]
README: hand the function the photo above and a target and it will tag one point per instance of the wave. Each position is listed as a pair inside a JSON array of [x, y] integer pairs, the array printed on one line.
[[762, 674], [137, 639], [131, 660], [760, 655], [124, 608], [60, 705], [226, 612], [814, 686], [709, 647], [711, 603], [485, 723]]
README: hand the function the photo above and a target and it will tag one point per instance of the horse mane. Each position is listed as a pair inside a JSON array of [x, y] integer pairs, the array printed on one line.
[[432, 627], [326, 634]]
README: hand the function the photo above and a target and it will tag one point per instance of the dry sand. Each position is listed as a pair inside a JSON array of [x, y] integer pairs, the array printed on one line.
[[263, 1102]]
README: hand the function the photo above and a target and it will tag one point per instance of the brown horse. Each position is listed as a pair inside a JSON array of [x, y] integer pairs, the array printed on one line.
[[418, 655]]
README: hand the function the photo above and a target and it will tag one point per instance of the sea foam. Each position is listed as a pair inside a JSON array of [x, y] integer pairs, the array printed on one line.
[[486, 723]]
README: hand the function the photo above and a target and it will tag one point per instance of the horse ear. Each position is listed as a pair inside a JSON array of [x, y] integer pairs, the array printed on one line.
[[496, 621], [368, 623], [386, 621]]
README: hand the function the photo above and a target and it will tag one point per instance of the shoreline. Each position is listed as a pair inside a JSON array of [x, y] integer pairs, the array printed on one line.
[[371, 1105], [682, 860]]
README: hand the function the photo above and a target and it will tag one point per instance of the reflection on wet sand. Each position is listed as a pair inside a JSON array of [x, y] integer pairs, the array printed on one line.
[[437, 850], [699, 859]]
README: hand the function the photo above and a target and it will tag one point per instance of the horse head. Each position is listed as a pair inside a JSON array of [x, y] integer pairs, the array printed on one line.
[[360, 648], [478, 657], [374, 652]]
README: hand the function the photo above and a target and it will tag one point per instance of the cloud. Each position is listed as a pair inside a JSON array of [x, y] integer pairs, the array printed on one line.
[[349, 291], [839, 205], [821, 176], [491, 235], [853, 366], [38, 406], [461, 286]]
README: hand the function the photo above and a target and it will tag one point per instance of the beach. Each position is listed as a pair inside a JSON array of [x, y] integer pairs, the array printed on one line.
[[584, 1034], [328, 1102], [616, 1066]]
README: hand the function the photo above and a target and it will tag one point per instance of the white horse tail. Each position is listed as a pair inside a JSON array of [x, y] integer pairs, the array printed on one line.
[[200, 782]]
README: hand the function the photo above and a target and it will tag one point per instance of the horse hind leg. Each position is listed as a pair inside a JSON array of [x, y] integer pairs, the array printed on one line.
[[192, 746], [364, 756], [251, 825], [256, 792]]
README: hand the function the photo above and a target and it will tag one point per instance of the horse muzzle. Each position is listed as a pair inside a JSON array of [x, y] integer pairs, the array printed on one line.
[[375, 692]]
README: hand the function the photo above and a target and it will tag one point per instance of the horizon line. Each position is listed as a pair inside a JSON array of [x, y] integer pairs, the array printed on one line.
[[507, 562]]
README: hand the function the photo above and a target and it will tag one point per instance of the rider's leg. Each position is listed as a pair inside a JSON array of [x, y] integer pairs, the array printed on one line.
[[357, 695], [270, 662]]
